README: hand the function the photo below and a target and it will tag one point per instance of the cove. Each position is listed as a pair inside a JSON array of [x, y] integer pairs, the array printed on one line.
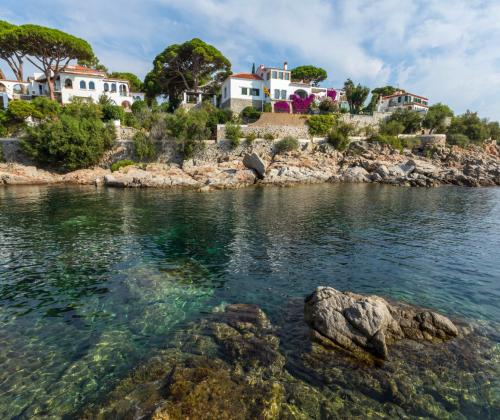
[[95, 281]]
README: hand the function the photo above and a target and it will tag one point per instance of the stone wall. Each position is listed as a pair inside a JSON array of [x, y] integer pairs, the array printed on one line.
[[362, 121], [237, 105]]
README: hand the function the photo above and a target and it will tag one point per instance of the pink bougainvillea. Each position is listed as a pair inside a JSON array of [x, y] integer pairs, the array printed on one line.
[[301, 105], [281, 106], [332, 94]]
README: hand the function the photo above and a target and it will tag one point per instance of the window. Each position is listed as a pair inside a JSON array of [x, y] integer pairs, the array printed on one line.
[[283, 94], [276, 93], [123, 90], [68, 84], [268, 75], [399, 99], [287, 76], [280, 75], [244, 91], [106, 87], [254, 92], [83, 85], [275, 74], [225, 92], [91, 85], [113, 87]]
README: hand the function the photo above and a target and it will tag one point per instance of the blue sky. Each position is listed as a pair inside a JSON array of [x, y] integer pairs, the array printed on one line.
[[447, 50]]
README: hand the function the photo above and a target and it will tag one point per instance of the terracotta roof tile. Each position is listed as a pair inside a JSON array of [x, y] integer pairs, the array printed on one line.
[[250, 76]]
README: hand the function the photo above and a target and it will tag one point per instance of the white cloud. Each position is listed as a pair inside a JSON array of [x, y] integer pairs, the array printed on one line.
[[445, 50]]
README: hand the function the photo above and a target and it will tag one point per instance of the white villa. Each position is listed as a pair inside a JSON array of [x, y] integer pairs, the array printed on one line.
[[267, 85], [403, 100], [74, 82]]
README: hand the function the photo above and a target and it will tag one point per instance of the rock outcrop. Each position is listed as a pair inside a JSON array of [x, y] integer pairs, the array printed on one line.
[[369, 323], [219, 167]]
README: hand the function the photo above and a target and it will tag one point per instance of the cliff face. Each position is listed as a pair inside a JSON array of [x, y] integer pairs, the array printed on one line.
[[219, 167]]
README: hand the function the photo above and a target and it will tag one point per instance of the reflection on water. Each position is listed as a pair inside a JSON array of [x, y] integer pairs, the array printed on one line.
[[94, 280]]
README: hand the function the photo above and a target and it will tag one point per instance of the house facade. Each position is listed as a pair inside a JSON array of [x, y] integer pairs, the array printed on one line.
[[267, 85], [403, 100], [75, 82]]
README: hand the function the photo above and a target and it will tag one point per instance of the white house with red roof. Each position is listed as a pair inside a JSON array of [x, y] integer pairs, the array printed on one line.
[[403, 100], [75, 82], [266, 85]]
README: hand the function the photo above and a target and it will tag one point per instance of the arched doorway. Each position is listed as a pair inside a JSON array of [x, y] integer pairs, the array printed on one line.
[[301, 93], [126, 104]]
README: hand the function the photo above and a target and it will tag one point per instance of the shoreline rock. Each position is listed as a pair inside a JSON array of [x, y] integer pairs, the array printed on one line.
[[356, 322], [364, 163], [235, 362]]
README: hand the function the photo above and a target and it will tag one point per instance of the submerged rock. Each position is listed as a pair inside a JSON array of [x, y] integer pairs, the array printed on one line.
[[369, 323], [234, 363]]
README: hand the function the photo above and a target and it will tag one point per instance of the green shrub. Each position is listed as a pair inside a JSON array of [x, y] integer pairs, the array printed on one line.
[[410, 120], [268, 107], [250, 114], [81, 109], [392, 141], [131, 120], [233, 134], [327, 106], [19, 110], [216, 116], [391, 127], [286, 144], [1, 153], [189, 129], [338, 140], [3, 123], [72, 140], [139, 107], [112, 113], [250, 137], [269, 136], [320, 125], [121, 164], [144, 148], [46, 107], [458, 139]]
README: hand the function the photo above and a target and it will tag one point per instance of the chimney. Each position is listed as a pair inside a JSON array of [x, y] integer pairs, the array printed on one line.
[[285, 65]]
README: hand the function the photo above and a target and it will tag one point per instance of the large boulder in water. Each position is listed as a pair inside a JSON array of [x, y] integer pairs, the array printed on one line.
[[369, 323]]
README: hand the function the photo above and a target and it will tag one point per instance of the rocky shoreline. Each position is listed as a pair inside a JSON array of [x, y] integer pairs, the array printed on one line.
[[236, 363], [364, 162]]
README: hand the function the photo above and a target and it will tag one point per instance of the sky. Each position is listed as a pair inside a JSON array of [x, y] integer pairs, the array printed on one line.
[[446, 50]]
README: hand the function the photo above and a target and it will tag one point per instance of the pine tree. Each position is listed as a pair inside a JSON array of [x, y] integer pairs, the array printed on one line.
[[253, 68]]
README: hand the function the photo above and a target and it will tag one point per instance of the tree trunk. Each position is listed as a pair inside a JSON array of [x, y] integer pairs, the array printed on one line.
[[50, 84]]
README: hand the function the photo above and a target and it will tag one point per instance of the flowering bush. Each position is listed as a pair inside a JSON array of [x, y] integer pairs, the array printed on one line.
[[301, 105], [281, 106], [332, 94]]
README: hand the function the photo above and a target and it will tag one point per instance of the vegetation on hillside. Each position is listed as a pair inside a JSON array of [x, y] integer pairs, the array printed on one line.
[[74, 138]]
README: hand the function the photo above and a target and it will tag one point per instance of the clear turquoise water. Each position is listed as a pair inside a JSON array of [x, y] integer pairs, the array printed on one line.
[[92, 281]]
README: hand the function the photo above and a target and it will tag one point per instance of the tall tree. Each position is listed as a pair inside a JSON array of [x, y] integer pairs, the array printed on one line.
[[309, 74], [253, 68], [93, 63], [10, 50], [377, 93], [193, 65], [49, 50], [356, 95], [134, 82], [435, 118]]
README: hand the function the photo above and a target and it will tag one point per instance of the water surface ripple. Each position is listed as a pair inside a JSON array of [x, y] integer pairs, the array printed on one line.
[[92, 281]]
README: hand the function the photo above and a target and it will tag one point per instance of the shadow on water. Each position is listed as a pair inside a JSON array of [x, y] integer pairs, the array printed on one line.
[[93, 280]]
